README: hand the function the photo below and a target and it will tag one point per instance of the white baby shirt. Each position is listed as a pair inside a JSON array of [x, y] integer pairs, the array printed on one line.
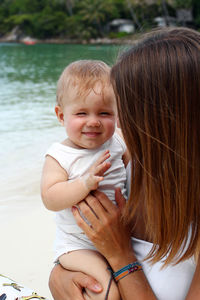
[[76, 162]]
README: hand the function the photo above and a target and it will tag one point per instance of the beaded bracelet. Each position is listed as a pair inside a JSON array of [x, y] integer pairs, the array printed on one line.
[[123, 272]]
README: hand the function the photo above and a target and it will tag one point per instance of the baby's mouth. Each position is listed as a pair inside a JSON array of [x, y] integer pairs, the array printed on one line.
[[92, 134]]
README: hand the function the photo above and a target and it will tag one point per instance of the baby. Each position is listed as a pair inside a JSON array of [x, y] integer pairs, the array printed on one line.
[[93, 156]]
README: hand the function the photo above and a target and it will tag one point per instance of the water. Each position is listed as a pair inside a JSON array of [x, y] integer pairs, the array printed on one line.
[[28, 125]]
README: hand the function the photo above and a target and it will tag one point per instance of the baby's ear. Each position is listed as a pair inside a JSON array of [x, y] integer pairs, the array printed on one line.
[[59, 114]]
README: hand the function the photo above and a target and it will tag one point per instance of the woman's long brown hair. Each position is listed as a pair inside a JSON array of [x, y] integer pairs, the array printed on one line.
[[157, 86]]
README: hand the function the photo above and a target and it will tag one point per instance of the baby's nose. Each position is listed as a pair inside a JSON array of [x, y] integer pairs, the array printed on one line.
[[94, 122]]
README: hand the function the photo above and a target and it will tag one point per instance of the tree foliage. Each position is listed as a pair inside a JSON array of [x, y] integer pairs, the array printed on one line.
[[83, 19]]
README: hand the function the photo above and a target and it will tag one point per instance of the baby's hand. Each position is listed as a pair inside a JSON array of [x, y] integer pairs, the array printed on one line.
[[96, 172]]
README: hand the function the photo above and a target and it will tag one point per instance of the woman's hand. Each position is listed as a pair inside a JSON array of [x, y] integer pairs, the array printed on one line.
[[113, 239], [107, 231], [68, 285]]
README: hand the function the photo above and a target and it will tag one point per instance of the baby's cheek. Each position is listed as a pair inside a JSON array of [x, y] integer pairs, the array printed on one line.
[[73, 127], [110, 126], [75, 124]]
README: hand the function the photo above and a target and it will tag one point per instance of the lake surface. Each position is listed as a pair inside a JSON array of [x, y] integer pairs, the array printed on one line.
[[28, 125]]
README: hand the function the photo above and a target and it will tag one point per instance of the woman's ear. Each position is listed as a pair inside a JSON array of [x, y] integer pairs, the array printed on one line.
[[59, 114]]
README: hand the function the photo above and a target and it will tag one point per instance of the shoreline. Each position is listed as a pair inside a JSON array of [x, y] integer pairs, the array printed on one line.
[[98, 41]]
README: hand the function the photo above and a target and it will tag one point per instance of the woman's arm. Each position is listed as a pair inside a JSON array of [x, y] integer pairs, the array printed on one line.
[[68, 285], [59, 193], [113, 240]]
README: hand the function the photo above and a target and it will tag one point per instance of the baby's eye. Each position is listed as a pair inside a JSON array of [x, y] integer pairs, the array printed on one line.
[[105, 113], [81, 113]]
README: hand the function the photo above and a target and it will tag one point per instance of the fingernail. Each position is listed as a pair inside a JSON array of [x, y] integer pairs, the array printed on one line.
[[97, 287], [74, 208]]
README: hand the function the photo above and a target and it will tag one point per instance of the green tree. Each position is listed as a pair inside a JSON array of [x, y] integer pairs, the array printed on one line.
[[48, 26], [95, 13], [68, 4], [130, 4], [196, 13], [183, 4], [84, 19]]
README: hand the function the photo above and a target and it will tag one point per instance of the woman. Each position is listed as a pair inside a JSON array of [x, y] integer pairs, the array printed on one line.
[[157, 87]]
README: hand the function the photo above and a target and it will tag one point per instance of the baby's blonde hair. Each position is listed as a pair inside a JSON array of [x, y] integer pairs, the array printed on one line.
[[82, 75]]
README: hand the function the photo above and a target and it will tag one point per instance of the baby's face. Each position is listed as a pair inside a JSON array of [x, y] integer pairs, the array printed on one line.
[[90, 121]]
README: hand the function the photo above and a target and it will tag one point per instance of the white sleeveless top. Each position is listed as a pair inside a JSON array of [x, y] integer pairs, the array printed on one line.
[[76, 162]]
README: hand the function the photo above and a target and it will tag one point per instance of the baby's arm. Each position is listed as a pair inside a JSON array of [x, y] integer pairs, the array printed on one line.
[[58, 193]]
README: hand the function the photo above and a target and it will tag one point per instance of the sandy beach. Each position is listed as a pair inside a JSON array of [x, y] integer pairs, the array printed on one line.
[[27, 234]]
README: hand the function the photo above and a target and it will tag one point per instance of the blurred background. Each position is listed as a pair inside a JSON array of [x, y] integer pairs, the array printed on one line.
[[83, 20]]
